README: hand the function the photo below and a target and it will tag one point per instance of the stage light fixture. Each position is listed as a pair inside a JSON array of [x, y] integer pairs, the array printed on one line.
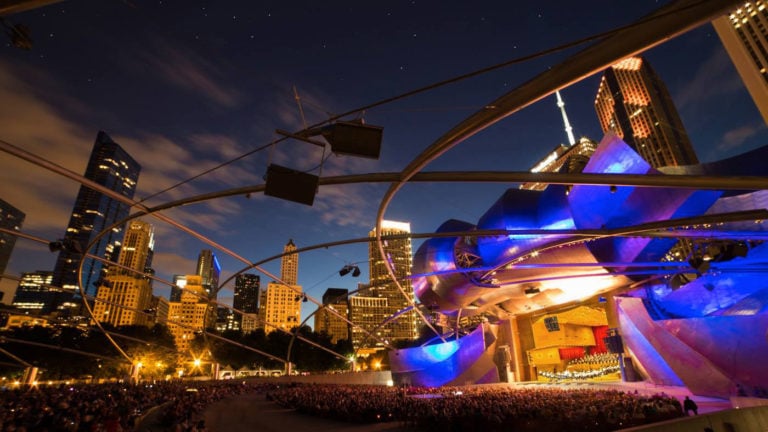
[[65, 245], [531, 291], [350, 268]]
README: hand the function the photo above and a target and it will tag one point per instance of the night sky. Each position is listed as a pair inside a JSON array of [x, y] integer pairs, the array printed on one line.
[[186, 85]]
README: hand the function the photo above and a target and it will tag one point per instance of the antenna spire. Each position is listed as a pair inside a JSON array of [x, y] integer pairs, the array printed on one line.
[[568, 128]]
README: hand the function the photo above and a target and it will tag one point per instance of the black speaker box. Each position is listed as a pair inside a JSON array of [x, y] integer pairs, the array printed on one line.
[[291, 185], [355, 139]]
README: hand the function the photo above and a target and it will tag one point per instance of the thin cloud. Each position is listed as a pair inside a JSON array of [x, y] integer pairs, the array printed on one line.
[[172, 263], [713, 79], [187, 70], [735, 138], [32, 124]]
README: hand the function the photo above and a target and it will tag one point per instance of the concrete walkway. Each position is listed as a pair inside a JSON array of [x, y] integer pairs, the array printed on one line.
[[255, 413]]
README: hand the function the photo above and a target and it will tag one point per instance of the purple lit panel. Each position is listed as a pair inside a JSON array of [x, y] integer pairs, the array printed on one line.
[[633, 332], [450, 363], [735, 345], [696, 371]]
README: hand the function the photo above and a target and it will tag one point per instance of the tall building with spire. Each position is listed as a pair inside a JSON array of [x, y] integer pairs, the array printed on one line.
[[125, 294], [11, 219], [568, 128], [634, 103], [280, 303], [209, 270], [391, 302], [563, 159], [744, 33], [112, 167], [289, 265]]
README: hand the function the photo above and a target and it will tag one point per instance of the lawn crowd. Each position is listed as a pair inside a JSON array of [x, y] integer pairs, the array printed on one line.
[[179, 406], [492, 408], [113, 407]]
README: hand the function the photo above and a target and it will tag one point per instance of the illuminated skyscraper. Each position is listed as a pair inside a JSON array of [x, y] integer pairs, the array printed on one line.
[[11, 218], [110, 166], [563, 159], [280, 304], [34, 292], [744, 33], [209, 270], [398, 253], [289, 266], [325, 321], [189, 315], [125, 294], [179, 282], [247, 288], [634, 103]]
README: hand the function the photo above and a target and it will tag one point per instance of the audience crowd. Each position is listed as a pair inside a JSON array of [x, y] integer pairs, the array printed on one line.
[[179, 406], [112, 407], [480, 408]]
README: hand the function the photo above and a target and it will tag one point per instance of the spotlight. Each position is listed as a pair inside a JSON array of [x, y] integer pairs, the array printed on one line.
[[531, 290], [613, 189], [699, 264], [350, 268], [65, 245], [55, 246]]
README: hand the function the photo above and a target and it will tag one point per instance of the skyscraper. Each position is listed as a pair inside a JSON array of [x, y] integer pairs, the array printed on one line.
[[209, 270], [11, 218], [126, 292], [634, 103], [282, 306], [327, 322], [744, 33], [34, 292], [564, 159], [179, 282], [247, 293], [190, 315], [110, 166], [246, 300], [398, 254], [289, 266], [280, 303]]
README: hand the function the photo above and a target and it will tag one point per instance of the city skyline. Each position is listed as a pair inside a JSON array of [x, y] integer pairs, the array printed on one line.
[[191, 129]]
